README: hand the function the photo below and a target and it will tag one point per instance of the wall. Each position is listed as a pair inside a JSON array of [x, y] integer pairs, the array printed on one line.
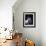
[[6, 13], [43, 22], [35, 34]]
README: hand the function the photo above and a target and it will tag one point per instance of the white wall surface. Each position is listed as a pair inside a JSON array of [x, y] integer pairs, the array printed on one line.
[[37, 34], [6, 13], [43, 22]]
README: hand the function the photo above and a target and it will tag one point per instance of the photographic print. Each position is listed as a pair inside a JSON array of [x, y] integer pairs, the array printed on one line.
[[29, 19]]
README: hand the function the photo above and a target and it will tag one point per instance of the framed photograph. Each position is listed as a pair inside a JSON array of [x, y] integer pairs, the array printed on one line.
[[29, 19]]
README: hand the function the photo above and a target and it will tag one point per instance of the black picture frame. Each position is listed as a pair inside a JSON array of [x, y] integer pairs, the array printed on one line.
[[29, 19]]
